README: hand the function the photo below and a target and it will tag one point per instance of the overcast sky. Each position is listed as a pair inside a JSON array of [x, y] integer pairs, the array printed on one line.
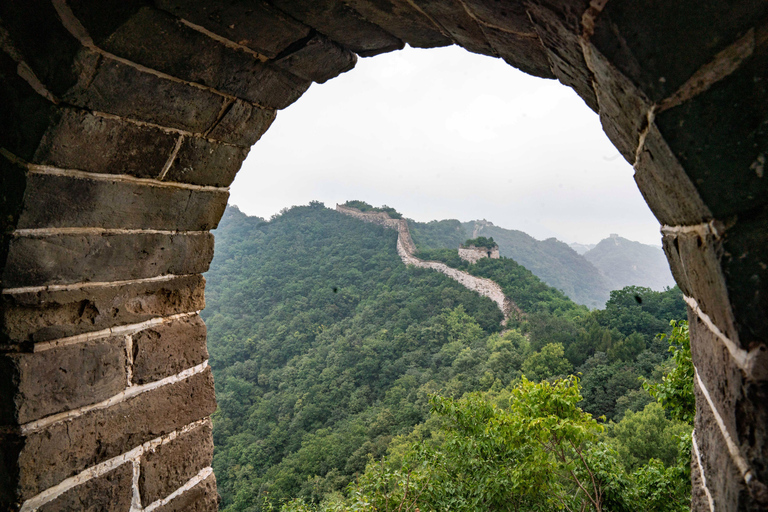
[[444, 133]]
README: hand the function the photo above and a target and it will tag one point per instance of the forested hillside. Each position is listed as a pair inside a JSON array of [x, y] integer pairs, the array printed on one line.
[[625, 262], [325, 348]]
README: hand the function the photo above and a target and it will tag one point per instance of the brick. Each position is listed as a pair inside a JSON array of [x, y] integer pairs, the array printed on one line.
[[168, 467], [63, 259], [512, 16], [114, 146], [10, 448], [401, 19], [168, 349], [724, 482], [457, 23], [623, 107], [201, 498], [695, 264], [65, 378], [243, 124], [254, 24], [110, 86], [745, 267], [720, 136], [46, 315], [318, 59], [67, 448], [53, 201], [639, 38], [202, 162], [524, 52], [110, 492], [558, 25], [342, 24], [159, 41], [666, 187]]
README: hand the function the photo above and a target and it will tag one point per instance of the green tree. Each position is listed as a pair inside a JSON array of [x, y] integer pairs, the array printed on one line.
[[549, 362], [675, 391]]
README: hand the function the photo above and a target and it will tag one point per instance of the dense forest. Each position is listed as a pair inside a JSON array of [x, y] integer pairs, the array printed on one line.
[[341, 372]]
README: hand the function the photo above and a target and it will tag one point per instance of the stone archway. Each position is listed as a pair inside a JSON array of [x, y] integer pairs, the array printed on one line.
[[124, 122]]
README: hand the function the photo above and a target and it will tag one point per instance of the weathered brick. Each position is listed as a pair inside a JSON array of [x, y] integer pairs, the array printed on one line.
[[458, 24], [65, 378], [62, 259], [168, 349], [524, 52], [114, 146], [723, 479], [109, 492], [69, 447], [201, 498], [559, 27], [638, 38], [720, 136], [159, 41], [168, 467], [318, 59], [254, 24], [110, 86], [511, 16], [46, 315], [54, 201], [243, 124], [401, 19], [202, 162], [665, 186], [343, 25], [623, 107]]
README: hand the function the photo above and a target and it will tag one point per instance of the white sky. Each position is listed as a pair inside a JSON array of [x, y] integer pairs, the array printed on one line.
[[444, 133]]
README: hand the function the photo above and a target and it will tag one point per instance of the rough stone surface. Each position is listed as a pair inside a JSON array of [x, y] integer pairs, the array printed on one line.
[[202, 162], [43, 315], [401, 19], [525, 52], [457, 22], [108, 492], [160, 41], [53, 201], [242, 124], [67, 377], [318, 59], [168, 467], [745, 267], [342, 24], [67, 448], [254, 24], [151, 98], [115, 146], [62, 259], [201, 498], [168, 349]]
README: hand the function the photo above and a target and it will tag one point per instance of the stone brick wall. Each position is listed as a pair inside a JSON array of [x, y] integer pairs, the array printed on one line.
[[125, 121], [474, 254]]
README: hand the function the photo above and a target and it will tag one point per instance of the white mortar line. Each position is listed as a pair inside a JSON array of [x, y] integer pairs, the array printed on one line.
[[650, 116], [733, 449], [133, 391], [226, 42], [200, 477], [109, 332], [129, 360], [701, 471], [740, 356], [90, 284], [124, 178], [167, 129], [721, 66], [135, 490], [105, 467], [171, 158], [702, 229], [73, 231]]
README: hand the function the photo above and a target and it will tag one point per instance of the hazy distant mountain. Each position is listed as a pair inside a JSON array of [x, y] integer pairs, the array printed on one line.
[[581, 248], [625, 263]]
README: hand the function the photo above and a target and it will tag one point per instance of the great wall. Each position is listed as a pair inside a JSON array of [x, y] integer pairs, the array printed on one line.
[[406, 249]]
